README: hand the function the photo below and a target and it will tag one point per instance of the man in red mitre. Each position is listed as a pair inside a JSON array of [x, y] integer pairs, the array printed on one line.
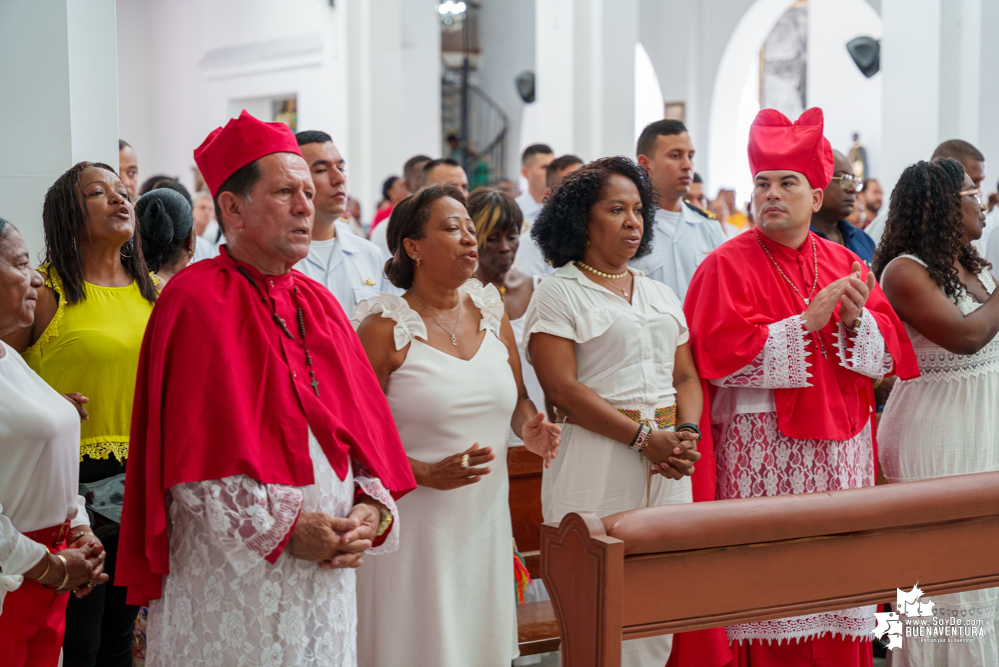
[[789, 331], [256, 479]]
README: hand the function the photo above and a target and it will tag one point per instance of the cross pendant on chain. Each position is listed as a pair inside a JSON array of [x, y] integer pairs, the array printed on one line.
[[315, 384]]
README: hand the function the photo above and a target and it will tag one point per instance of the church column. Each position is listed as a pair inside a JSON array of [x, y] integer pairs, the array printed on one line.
[[936, 60], [585, 67], [59, 77], [394, 90]]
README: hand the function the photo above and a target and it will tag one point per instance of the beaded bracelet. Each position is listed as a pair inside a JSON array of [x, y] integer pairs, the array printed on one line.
[[641, 438], [690, 428]]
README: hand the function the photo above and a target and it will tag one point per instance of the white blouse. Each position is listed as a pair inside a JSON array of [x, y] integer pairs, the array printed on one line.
[[39, 478], [624, 352]]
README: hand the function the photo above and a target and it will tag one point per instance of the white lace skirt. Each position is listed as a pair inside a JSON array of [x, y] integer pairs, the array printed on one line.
[[755, 459], [940, 425]]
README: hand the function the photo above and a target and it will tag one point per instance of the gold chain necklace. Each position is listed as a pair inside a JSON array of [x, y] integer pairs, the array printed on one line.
[[453, 334], [611, 276]]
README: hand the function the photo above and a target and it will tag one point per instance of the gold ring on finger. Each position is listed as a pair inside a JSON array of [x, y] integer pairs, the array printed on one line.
[[464, 461]]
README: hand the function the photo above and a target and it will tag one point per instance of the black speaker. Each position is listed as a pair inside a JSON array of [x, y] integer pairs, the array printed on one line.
[[866, 54], [525, 85]]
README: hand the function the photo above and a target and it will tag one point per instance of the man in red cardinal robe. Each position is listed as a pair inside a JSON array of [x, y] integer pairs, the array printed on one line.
[[788, 331], [264, 461]]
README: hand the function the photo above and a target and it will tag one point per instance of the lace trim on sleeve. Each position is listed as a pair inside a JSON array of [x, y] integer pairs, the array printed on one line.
[[246, 518], [52, 330], [868, 355], [780, 365], [489, 302], [408, 323], [373, 486]]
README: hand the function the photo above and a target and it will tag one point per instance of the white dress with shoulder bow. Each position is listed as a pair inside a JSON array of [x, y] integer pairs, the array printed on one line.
[[446, 598]]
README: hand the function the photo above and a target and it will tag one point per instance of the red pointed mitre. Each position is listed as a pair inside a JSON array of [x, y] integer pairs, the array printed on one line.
[[243, 140], [777, 143]]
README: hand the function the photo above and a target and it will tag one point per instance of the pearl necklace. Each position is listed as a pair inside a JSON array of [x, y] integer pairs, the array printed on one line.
[[610, 276]]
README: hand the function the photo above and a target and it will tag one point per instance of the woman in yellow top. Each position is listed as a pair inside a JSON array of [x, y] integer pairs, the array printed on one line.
[[89, 323]]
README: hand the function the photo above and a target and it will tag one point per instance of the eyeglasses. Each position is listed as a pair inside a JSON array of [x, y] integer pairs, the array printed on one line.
[[846, 180], [977, 192]]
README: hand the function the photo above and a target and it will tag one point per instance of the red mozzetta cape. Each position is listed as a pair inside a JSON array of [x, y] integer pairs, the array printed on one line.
[[222, 391], [737, 291]]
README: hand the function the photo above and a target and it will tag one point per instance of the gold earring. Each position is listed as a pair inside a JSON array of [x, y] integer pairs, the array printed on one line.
[[587, 243], [417, 261]]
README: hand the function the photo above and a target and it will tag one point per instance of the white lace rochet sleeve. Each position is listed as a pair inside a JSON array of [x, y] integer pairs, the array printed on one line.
[[867, 353], [247, 519], [780, 365]]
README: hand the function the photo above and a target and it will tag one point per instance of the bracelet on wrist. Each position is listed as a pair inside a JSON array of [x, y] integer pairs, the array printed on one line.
[[65, 576], [691, 428], [48, 566], [641, 438]]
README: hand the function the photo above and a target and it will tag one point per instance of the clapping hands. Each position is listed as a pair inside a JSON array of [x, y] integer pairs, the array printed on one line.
[[849, 293]]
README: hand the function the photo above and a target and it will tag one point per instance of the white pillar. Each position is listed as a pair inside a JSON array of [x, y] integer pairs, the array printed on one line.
[[937, 60], [394, 65], [59, 77], [585, 68]]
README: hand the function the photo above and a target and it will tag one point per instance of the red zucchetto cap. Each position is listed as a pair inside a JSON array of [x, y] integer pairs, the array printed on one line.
[[777, 143], [245, 139]]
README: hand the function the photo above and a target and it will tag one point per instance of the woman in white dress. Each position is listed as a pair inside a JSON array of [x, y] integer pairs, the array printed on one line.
[[445, 356], [610, 349], [44, 548], [945, 422]]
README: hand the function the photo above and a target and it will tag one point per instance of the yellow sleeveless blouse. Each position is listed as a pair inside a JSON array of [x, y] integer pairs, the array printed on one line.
[[93, 347]]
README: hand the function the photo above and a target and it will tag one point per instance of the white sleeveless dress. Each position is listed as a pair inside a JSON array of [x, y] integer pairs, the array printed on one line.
[[943, 423], [446, 598]]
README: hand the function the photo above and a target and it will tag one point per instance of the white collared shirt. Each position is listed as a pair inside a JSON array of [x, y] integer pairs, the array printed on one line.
[[529, 207], [529, 258], [379, 236], [204, 249], [624, 352], [40, 450], [676, 253], [350, 267]]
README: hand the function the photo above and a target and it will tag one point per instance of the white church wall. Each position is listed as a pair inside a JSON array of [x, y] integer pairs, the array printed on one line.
[[851, 102], [506, 37], [189, 62], [58, 81], [189, 65]]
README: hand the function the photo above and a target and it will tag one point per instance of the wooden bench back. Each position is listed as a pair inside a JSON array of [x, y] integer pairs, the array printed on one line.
[[687, 567]]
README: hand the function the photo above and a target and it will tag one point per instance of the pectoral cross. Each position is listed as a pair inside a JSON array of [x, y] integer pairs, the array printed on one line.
[[314, 384]]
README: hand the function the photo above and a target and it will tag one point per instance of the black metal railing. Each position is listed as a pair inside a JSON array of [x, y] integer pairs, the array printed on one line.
[[483, 153]]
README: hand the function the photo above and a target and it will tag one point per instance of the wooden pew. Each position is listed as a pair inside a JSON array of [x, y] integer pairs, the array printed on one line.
[[536, 626], [687, 567]]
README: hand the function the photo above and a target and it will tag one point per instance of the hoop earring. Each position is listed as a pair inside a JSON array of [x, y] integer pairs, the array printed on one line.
[[130, 247]]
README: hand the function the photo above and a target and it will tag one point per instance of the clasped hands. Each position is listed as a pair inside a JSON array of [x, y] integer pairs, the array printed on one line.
[[672, 453], [335, 542], [83, 569], [849, 293]]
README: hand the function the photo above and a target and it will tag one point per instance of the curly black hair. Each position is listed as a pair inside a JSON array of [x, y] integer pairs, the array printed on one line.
[[925, 220], [560, 229]]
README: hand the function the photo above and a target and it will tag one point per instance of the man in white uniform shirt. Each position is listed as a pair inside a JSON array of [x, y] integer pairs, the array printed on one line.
[[529, 257], [534, 167], [684, 234], [350, 267]]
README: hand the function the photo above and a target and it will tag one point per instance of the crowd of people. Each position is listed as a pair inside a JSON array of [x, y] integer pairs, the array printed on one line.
[[242, 428]]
